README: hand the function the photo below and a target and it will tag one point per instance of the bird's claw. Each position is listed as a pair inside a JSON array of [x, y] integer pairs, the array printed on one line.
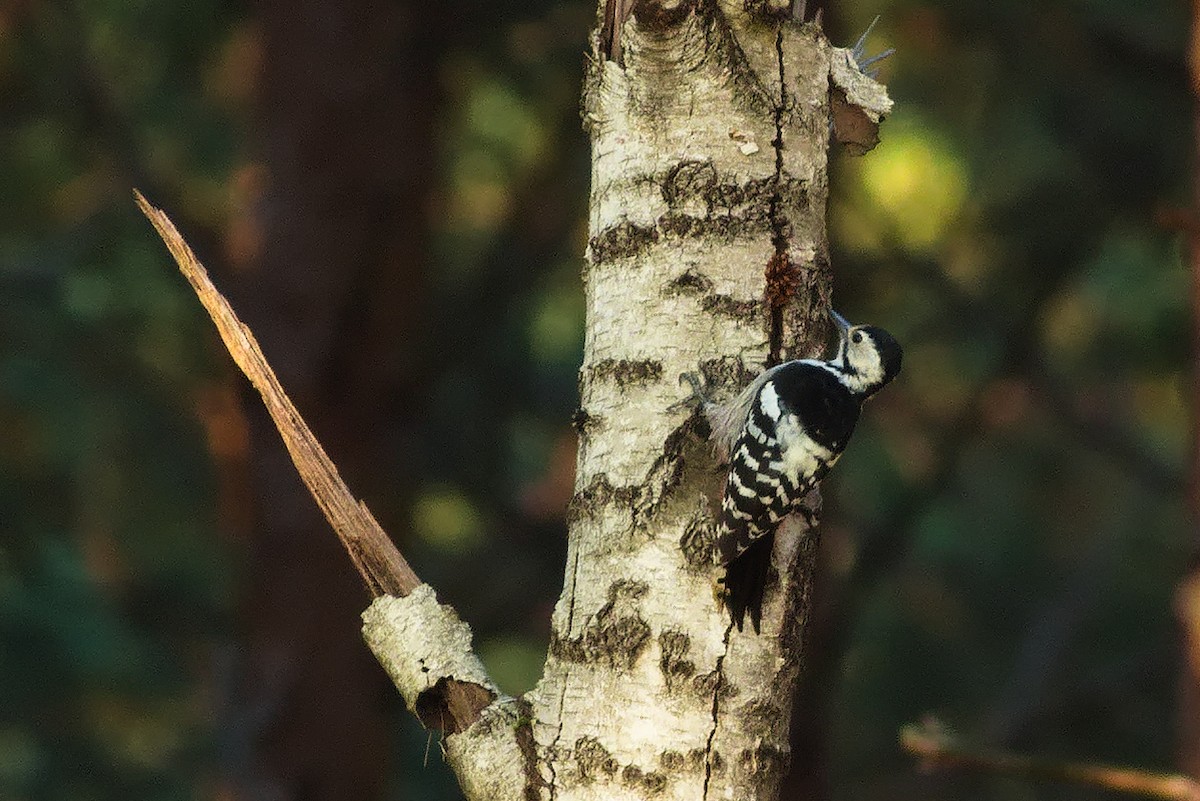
[[698, 398]]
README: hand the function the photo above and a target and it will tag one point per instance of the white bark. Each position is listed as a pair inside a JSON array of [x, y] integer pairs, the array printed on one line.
[[707, 252], [423, 646]]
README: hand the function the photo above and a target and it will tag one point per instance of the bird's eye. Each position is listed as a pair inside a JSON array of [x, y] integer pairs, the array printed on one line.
[[856, 336]]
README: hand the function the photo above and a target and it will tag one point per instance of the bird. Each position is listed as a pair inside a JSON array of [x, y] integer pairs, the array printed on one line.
[[782, 434]]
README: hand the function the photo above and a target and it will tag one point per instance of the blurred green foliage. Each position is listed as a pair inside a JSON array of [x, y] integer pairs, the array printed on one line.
[[1004, 537]]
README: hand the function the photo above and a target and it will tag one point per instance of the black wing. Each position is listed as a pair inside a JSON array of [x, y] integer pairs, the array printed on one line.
[[827, 410]]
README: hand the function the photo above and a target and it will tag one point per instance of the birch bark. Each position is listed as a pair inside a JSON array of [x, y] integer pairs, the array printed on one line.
[[710, 123], [707, 168]]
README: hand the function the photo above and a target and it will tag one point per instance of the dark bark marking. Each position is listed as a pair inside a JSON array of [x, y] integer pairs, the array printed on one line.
[[626, 371], [726, 306], [731, 209], [767, 11], [623, 240], [687, 181], [763, 718], [593, 760], [652, 782], [674, 762], [667, 469], [643, 499], [617, 635], [697, 543], [727, 371], [690, 282], [600, 492], [766, 763], [585, 423], [675, 668]]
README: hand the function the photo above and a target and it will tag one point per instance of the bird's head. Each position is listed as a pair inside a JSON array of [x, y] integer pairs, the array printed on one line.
[[867, 358]]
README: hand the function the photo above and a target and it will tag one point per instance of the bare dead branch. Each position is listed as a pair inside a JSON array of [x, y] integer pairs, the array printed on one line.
[[937, 749], [382, 567], [450, 704]]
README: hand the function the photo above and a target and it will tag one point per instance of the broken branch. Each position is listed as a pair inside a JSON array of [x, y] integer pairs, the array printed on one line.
[[382, 567]]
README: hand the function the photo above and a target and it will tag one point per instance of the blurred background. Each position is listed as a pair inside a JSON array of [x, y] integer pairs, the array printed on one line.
[[394, 197]]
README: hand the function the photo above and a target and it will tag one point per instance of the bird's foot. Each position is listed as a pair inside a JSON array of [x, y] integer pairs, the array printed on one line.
[[698, 398]]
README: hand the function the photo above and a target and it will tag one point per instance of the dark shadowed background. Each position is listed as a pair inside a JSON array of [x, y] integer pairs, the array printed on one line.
[[394, 197]]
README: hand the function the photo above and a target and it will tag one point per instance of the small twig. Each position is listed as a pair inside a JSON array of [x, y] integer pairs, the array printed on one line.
[[382, 567], [938, 750]]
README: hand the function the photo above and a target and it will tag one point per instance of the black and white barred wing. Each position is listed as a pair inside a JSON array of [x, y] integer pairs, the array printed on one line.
[[759, 494], [756, 491]]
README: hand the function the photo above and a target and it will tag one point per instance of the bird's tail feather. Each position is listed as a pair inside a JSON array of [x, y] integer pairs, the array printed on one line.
[[746, 580]]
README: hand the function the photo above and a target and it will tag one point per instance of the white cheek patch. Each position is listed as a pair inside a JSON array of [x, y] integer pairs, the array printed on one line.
[[873, 369], [868, 370], [768, 399]]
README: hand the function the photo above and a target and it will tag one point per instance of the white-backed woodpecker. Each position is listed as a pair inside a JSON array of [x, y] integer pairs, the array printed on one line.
[[782, 434]]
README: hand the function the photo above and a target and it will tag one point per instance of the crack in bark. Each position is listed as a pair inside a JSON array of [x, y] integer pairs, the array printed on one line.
[[528, 747], [780, 274], [716, 711], [552, 751]]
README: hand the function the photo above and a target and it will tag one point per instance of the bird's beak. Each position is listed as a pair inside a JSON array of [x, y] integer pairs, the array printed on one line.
[[841, 322]]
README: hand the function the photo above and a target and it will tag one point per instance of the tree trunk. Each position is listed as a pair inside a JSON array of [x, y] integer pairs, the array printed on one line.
[[707, 252], [706, 171]]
